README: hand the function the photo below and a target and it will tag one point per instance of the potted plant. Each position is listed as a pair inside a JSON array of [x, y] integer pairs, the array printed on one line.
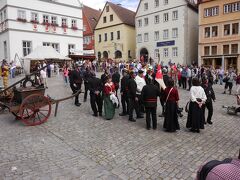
[[54, 24], [34, 21], [46, 23], [74, 28], [64, 26], [21, 20]]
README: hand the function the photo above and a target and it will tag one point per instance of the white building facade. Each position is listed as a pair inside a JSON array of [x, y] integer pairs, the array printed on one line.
[[24, 25], [167, 31]]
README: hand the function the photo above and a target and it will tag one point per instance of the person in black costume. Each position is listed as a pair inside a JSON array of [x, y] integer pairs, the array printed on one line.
[[86, 77], [96, 100], [116, 79], [133, 100], [75, 80], [149, 94], [124, 93], [207, 86]]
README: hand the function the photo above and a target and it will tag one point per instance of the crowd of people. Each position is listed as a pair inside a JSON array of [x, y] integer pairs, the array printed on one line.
[[140, 91]]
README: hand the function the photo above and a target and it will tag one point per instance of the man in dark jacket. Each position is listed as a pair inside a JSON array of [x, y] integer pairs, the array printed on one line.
[[86, 77], [116, 79], [210, 96], [133, 100], [96, 100], [124, 93], [75, 80], [149, 94], [104, 76]]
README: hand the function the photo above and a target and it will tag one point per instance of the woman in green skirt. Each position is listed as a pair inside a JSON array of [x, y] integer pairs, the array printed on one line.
[[109, 107]]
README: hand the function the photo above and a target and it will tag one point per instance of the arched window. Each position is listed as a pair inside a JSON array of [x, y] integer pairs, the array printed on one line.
[[99, 55], [118, 54], [105, 54]]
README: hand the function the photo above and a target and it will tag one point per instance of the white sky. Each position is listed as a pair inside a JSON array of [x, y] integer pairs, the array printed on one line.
[[99, 4]]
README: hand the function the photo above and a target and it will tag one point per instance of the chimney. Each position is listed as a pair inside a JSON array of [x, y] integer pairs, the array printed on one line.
[[119, 4]]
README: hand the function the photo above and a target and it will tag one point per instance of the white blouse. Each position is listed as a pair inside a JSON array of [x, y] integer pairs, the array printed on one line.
[[197, 92]]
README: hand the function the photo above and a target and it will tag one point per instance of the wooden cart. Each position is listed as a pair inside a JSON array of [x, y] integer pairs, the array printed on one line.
[[29, 104]]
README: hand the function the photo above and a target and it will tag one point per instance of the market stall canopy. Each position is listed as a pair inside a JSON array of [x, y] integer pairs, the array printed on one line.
[[42, 53], [45, 53]]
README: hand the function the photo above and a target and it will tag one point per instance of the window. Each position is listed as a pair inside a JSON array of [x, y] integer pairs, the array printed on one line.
[[213, 11], [54, 20], [231, 8], [175, 52], [71, 48], [64, 22], [235, 28], [175, 15], [207, 32], [4, 14], [156, 19], [27, 47], [175, 32], [45, 19], [225, 49], [34, 16], [1, 17], [139, 23], [165, 34], [105, 37], [84, 28], [118, 35], [129, 54], [206, 50], [214, 50], [111, 36], [165, 52], [139, 38], [145, 6], [74, 23], [234, 48], [107, 8], [145, 21], [156, 53], [5, 49], [111, 18], [214, 31], [165, 17], [156, 35], [145, 37], [156, 3], [54, 45], [104, 19], [87, 40], [21, 14], [165, 2], [226, 29], [99, 38]]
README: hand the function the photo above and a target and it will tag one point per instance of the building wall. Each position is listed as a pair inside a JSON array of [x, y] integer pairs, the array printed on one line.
[[219, 20], [16, 32], [186, 24], [125, 43], [87, 33]]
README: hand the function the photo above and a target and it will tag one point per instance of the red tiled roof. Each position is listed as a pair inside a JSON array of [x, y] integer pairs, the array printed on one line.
[[92, 14], [127, 16]]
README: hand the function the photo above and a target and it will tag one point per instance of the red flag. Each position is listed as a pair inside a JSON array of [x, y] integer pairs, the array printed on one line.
[[159, 74]]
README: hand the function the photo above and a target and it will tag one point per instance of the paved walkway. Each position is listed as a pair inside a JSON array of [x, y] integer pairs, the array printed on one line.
[[76, 145]]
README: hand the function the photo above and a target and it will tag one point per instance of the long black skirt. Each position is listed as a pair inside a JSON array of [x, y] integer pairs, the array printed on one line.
[[195, 118], [170, 117]]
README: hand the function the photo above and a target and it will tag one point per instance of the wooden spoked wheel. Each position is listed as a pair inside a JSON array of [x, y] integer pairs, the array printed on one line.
[[35, 110]]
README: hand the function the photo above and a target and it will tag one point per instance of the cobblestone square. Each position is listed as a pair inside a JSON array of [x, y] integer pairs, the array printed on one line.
[[76, 145]]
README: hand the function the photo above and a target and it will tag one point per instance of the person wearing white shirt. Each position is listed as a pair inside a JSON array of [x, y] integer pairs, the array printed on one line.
[[140, 81], [195, 120], [189, 78], [43, 78]]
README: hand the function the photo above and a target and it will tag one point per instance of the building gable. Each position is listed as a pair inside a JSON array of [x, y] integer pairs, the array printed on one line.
[[113, 14]]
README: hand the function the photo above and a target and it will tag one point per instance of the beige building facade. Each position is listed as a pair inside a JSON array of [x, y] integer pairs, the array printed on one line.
[[219, 33], [115, 34]]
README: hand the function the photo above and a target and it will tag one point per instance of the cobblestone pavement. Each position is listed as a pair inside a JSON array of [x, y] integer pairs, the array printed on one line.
[[76, 145]]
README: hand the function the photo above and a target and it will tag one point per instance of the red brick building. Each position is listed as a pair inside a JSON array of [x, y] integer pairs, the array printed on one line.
[[90, 19]]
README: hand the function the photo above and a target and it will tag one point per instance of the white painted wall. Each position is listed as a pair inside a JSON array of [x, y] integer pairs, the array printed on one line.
[[16, 32], [187, 32]]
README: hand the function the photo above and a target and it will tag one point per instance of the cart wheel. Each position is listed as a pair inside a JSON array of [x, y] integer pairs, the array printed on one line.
[[35, 110]]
